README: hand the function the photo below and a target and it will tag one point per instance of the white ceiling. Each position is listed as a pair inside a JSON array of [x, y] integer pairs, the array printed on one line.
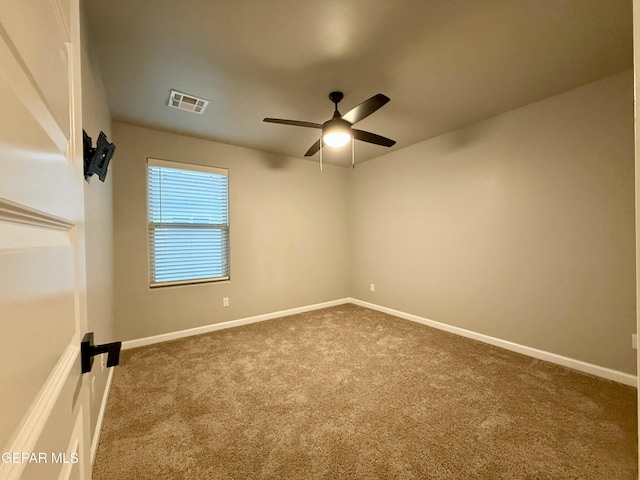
[[444, 63]]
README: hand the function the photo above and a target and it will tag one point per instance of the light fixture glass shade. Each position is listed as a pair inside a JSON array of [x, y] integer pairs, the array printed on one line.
[[336, 139]]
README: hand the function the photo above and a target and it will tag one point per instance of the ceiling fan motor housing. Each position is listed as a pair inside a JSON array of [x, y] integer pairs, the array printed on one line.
[[336, 124], [336, 132]]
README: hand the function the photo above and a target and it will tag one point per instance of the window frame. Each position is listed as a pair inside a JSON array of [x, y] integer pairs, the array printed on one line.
[[225, 228]]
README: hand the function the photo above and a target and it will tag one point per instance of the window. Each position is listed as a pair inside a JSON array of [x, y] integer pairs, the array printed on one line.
[[188, 219]]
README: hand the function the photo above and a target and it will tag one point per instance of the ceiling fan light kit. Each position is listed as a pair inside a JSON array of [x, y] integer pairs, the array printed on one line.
[[335, 136], [337, 131]]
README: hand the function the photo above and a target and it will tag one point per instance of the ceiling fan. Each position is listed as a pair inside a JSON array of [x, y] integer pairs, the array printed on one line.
[[337, 131]]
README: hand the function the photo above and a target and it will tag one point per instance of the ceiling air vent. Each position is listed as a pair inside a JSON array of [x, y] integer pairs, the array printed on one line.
[[184, 101]]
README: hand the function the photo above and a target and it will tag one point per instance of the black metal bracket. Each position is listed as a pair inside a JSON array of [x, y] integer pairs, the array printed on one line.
[[88, 350], [96, 160]]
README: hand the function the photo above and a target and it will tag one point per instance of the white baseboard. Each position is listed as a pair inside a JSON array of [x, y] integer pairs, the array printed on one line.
[[103, 406], [165, 337], [579, 365]]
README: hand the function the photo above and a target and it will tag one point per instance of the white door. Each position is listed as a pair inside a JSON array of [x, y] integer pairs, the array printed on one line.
[[43, 396]]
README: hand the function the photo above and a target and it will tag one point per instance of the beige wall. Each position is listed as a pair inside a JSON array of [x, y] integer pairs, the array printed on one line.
[[288, 234], [520, 227], [98, 204]]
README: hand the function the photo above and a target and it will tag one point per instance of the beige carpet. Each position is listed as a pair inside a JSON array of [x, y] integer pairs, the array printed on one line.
[[348, 392]]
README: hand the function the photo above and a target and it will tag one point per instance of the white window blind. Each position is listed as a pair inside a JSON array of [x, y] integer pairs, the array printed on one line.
[[188, 219]]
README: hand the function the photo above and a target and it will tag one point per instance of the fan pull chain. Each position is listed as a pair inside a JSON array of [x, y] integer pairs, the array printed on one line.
[[353, 152], [320, 153]]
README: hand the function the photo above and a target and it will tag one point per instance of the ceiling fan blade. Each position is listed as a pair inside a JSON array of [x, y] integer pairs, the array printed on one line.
[[313, 149], [295, 123], [372, 138], [365, 109]]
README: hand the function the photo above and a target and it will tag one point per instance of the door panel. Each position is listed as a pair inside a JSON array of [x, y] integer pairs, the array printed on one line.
[[42, 257], [44, 55], [38, 310], [62, 423], [29, 152]]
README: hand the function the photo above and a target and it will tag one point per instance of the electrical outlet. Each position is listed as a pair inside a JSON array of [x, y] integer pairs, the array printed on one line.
[[372, 287], [634, 341], [225, 302]]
